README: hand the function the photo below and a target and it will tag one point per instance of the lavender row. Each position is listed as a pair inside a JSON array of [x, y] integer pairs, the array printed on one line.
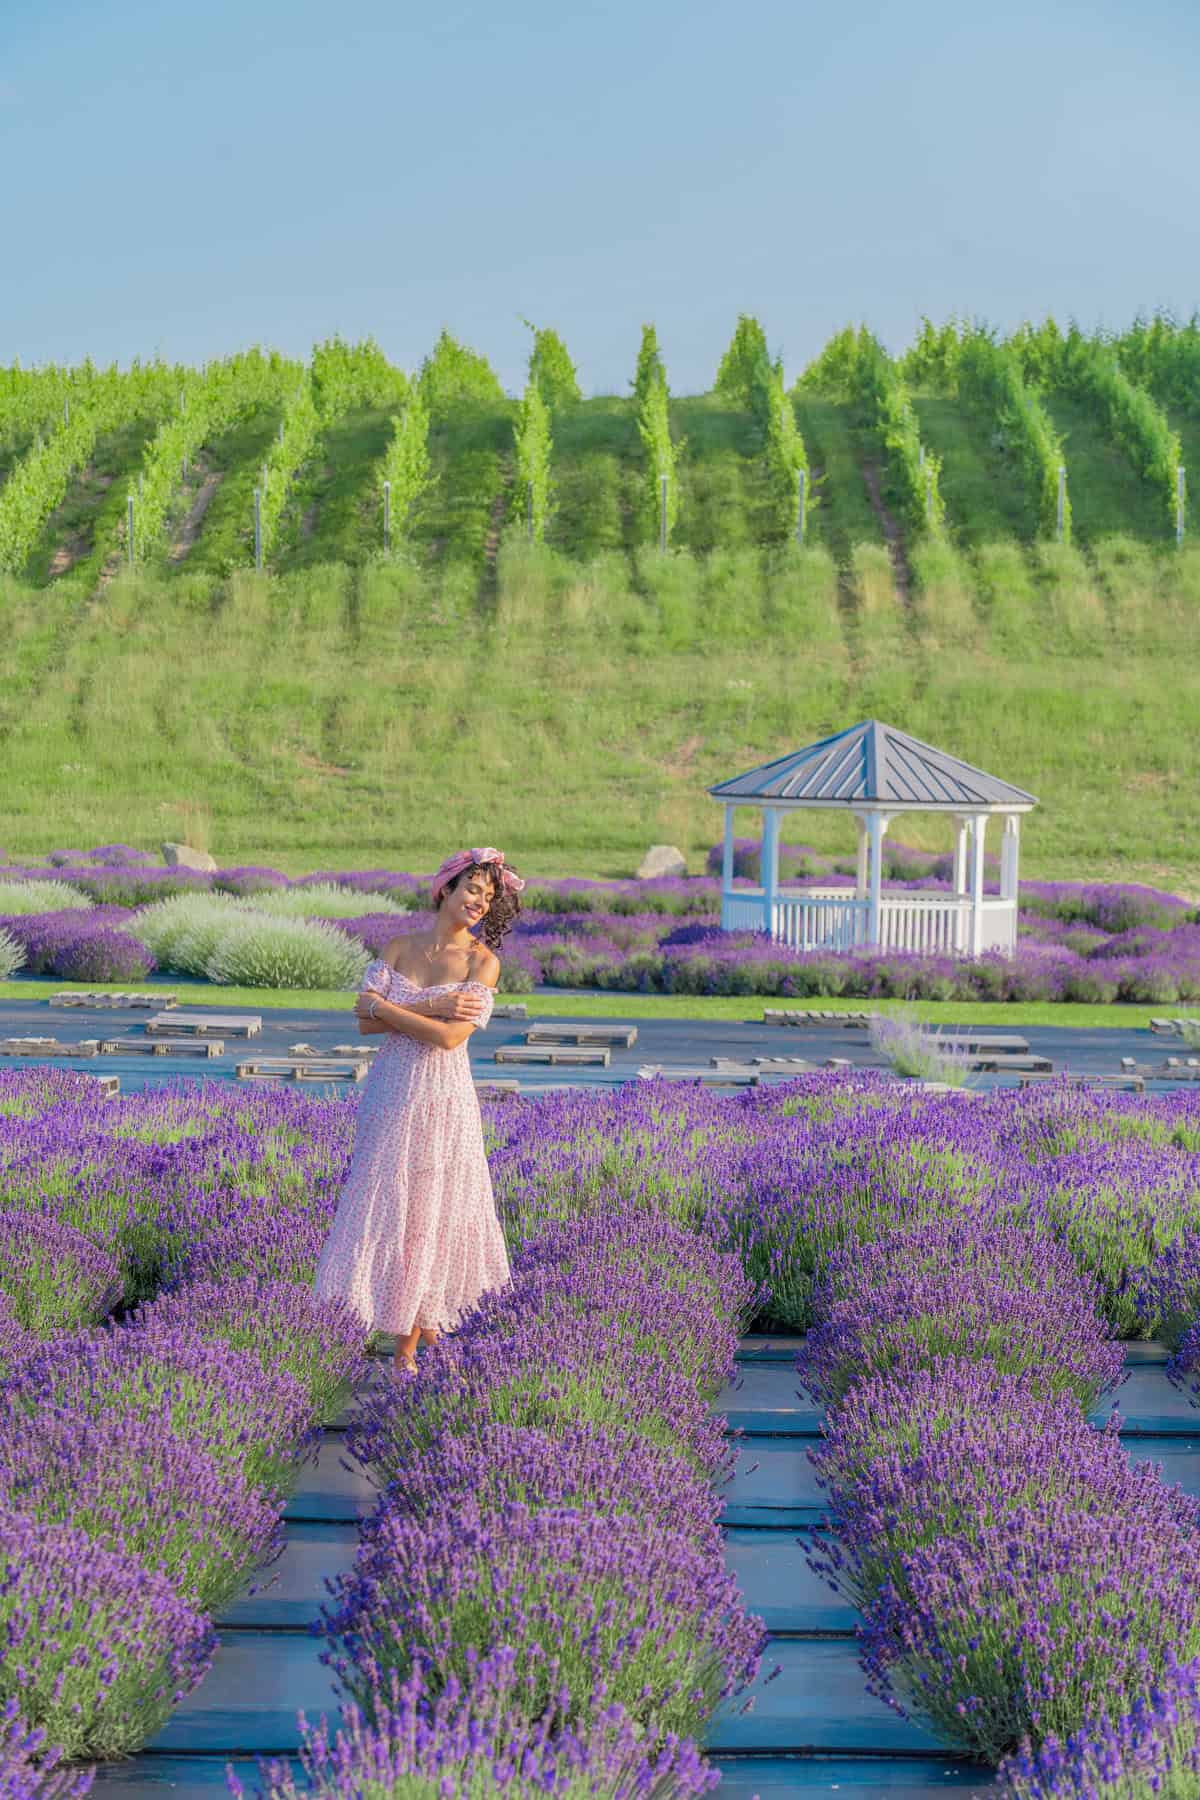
[[145, 1460], [540, 1597], [1025, 1590]]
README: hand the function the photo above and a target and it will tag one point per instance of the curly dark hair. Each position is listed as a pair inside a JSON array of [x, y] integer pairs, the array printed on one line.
[[502, 910]]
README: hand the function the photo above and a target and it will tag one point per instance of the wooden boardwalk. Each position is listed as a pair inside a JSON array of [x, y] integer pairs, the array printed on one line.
[[813, 1730]]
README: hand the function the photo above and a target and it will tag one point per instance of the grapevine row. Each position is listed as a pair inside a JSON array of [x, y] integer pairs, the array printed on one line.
[[40, 480], [210, 403], [855, 366]]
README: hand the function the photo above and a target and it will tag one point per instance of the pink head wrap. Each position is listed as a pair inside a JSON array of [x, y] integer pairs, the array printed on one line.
[[463, 859]]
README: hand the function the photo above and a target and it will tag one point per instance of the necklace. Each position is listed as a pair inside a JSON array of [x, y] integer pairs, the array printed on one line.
[[440, 950]]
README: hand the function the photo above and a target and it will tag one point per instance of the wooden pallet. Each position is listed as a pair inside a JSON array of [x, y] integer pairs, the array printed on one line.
[[351, 1050], [294, 1068], [800, 1063], [207, 1024], [114, 1002], [579, 1055], [109, 1085], [1000, 1065], [1129, 1081], [499, 1086], [47, 1047], [510, 1009], [1171, 1027], [707, 1076], [156, 1046], [789, 1015], [998, 1043], [1176, 1068], [620, 1037]]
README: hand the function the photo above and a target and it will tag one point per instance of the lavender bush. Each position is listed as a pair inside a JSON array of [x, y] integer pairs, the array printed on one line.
[[483, 1740], [29, 1767], [557, 1584], [135, 1486], [97, 1649], [54, 1277], [1150, 1752]]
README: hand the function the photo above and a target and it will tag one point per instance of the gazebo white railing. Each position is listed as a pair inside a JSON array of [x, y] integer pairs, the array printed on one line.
[[878, 773]]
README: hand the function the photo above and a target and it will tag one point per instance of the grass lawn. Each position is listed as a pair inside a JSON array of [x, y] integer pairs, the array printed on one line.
[[645, 1006]]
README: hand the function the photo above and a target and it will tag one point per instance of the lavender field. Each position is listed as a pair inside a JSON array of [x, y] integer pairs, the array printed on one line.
[[112, 914], [541, 1592]]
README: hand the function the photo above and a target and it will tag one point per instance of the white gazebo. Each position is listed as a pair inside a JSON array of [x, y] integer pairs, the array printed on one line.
[[878, 774]]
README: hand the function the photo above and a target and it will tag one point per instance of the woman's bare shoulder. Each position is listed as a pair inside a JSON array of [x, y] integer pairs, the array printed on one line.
[[487, 967], [393, 950]]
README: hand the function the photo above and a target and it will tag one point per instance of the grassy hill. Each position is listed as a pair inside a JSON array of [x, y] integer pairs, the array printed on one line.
[[572, 700]]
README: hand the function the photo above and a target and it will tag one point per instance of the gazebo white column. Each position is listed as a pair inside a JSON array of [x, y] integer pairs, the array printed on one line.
[[1010, 856], [727, 853], [978, 832], [877, 824], [864, 850], [769, 857]]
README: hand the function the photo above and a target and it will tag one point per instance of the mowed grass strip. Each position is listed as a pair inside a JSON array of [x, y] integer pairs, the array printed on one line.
[[717, 1008]]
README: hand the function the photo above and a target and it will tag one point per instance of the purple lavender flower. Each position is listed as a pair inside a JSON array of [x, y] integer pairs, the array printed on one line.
[[556, 1584], [29, 1767], [610, 1469], [484, 1738], [135, 1485], [908, 1300], [1152, 1749], [97, 1648], [281, 1323], [53, 1276], [256, 1423], [1042, 1617]]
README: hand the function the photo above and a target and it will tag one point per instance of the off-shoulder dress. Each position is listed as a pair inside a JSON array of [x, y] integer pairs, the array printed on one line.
[[416, 1239]]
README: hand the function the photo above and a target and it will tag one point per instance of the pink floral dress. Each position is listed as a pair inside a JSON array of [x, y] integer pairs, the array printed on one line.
[[416, 1239]]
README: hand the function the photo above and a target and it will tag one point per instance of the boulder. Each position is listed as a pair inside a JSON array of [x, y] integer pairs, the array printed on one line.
[[183, 856], [661, 859]]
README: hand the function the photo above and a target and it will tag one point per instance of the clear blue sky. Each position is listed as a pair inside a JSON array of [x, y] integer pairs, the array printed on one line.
[[191, 180]]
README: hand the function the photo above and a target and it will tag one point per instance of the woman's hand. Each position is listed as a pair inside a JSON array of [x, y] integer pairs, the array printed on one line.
[[453, 1006], [365, 1002]]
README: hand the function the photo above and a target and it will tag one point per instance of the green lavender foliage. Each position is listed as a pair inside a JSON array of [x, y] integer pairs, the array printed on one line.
[[532, 490], [452, 375], [407, 465], [551, 368]]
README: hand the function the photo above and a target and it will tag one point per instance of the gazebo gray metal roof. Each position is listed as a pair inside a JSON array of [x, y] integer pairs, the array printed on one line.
[[872, 764]]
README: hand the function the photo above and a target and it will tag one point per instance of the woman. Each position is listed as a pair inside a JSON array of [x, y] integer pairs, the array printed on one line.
[[416, 1239]]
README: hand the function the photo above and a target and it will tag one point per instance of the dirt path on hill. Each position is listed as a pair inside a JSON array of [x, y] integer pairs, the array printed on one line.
[[189, 530], [892, 534]]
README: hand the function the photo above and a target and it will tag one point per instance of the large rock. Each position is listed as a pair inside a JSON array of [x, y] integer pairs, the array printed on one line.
[[661, 859], [183, 856]]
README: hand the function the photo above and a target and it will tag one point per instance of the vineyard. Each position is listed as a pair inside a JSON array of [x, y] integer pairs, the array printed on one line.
[[295, 591]]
